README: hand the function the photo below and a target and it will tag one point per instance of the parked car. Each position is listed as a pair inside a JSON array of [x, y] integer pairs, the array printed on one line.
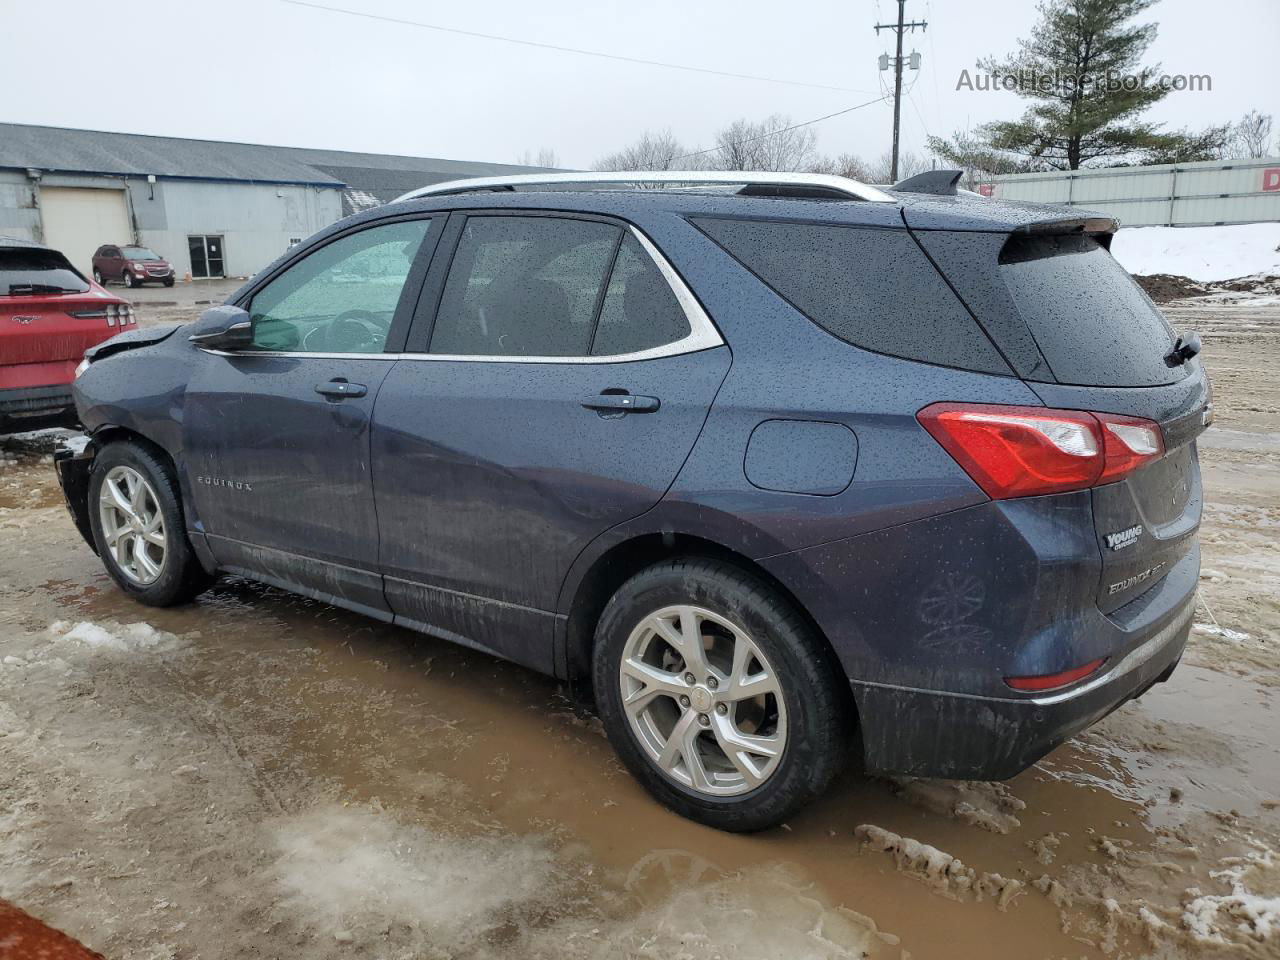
[[49, 315], [131, 265], [771, 470]]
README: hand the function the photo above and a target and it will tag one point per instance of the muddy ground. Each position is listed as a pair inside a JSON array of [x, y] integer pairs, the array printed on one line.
[[258, 775]]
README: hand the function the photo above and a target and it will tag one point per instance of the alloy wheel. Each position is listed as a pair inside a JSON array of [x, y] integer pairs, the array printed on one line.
[[132, 524], [703, 701]]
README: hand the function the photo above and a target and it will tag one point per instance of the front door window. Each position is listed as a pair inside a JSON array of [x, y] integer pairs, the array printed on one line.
[[342, 297]]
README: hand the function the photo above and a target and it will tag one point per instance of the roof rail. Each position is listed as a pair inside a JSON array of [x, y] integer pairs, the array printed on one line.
[[799, 184]]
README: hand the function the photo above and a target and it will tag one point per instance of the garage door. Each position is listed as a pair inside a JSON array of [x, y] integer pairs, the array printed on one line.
[[78, 221]]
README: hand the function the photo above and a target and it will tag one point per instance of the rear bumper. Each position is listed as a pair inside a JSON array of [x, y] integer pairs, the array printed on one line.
[[35, 401], [935, 734]]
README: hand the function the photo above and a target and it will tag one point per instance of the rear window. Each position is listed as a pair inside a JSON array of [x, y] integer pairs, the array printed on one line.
[[873, 288], [30, 270], [1093, 324]]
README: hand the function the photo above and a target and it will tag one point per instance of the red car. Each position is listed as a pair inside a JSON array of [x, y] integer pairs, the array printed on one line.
[[131, 265], [49, 315]]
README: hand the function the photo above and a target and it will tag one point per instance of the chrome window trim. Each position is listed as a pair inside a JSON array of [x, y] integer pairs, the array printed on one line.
[[853, 189], [703, 334]]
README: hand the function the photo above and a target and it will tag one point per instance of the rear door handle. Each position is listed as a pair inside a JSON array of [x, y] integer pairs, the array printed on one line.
[[339, 388], [621, 403]]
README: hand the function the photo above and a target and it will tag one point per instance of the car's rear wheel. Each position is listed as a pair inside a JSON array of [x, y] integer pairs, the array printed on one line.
[[717, 695], [138, 526]]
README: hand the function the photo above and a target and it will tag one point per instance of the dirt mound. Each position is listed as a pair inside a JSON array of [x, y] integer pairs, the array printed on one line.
[[1163, 287]]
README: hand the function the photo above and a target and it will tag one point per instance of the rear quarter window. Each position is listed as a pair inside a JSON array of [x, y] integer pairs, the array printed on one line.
[[1091, 321], [870, 287]]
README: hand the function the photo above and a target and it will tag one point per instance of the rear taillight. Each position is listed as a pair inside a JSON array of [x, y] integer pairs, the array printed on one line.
[[121, 314], [1013, 451]]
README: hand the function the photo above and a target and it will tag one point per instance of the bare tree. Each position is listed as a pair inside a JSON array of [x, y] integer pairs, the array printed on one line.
[[845, 165], [769, 144], [1251, 135], [909, 164], [653, 151], [545, 157]]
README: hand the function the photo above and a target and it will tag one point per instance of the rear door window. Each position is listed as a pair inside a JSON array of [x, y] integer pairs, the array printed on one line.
[[524, 287], [1093, 324], [873, 288]]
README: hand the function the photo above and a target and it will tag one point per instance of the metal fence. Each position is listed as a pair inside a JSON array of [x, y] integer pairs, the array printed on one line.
[[1170, 195]]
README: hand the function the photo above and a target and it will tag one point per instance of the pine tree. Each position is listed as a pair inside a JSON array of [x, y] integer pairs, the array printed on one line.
[[1082, 71]]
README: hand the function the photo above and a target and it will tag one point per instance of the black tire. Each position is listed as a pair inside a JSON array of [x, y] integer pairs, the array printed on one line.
[[97, 278], [169, 282], [818, 727], [181, 577], [129, 280]]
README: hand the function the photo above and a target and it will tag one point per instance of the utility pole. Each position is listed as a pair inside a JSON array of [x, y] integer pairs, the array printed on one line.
[[899, 28]]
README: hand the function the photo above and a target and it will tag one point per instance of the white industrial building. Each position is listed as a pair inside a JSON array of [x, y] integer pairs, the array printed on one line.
[[209, 207]]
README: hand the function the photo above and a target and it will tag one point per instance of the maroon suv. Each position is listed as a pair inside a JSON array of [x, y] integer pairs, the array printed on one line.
[[131, 265]]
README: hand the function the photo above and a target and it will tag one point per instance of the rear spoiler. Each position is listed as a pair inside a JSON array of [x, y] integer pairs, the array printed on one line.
[[1101, 229], [1093, 226]]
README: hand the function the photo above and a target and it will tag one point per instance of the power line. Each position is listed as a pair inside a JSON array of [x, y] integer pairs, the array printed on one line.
[[774, 133], [563, 49]]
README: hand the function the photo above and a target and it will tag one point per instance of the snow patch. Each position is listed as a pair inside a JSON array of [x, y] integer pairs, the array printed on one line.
[[355, 870], [1201, 253], [1214, 918], [1213, 630], [113, 637], [939, 869], [978, 803]]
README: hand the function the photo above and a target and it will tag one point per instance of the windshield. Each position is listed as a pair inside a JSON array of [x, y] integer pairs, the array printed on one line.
[[30, 270], [140, 253]]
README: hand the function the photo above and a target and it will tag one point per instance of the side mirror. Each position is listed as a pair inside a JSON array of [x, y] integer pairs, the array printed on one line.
[[223, 328]]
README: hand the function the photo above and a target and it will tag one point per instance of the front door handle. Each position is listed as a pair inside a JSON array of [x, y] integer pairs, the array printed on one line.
[[621, 403], [338, 388]]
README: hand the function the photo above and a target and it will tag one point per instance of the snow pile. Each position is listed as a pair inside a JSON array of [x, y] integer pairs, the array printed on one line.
[[1205, 254], [1250, 915], [113, 637], [940, 870]]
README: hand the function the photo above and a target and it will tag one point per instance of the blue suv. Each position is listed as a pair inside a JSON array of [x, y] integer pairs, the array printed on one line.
[[776, 468]]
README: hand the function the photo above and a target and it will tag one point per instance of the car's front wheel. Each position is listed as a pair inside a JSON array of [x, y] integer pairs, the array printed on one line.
[[138, 527], [717, 695], [97, 277], [129, 281]]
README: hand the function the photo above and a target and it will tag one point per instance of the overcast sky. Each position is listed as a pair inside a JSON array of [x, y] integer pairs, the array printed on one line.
[[268, 71]]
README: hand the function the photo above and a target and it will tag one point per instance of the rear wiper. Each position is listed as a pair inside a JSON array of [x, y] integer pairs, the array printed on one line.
[[20, 288], [1183, 350]]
